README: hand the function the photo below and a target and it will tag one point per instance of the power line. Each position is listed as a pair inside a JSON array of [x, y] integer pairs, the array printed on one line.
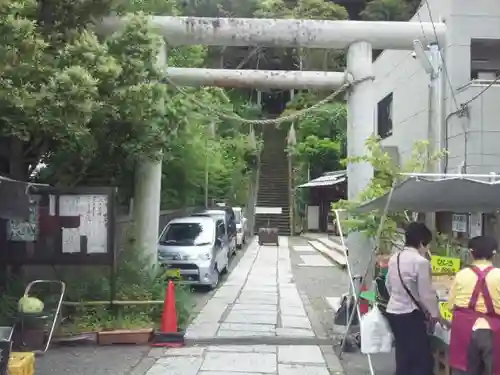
[[461, 106], [460, 110], [479, 94], [444, 68]]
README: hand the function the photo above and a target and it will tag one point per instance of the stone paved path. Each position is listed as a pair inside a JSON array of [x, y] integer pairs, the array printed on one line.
[[258, 303]]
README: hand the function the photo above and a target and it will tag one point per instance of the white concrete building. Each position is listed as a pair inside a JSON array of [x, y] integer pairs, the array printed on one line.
[[405, 101]]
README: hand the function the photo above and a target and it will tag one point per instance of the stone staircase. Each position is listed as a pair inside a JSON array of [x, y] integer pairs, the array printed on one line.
[[273, 181]]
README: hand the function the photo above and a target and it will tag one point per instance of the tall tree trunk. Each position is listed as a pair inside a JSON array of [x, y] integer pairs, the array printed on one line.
[[17, 169]]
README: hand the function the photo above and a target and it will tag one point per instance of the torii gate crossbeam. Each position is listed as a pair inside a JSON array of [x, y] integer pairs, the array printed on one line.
[[268, 32], [257, 79]]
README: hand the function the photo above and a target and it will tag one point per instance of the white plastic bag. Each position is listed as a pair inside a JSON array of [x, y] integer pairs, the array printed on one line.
[[376, 335]]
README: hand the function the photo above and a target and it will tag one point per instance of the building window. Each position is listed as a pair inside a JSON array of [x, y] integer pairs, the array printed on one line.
[[384, 117], [484, 59]]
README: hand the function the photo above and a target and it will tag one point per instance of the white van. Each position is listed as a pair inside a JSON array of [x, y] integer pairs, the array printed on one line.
[[241, 227]]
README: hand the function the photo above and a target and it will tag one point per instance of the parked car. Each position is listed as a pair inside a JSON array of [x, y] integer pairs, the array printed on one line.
[[241, 227], [196, 249], [227, 214]]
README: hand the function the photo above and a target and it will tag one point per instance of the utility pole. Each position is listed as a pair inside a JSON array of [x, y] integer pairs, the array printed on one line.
[[291, 142], [432, 64], [437, 85], [210, 134], [206, 173]]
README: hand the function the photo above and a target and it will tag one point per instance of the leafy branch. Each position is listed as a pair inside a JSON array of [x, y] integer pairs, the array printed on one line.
[[387, 174]]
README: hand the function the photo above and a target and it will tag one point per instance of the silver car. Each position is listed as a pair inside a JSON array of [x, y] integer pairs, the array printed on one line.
[[195, 249]]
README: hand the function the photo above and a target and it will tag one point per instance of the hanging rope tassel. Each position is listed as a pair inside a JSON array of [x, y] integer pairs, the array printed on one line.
[[292, 136], [252, 141]]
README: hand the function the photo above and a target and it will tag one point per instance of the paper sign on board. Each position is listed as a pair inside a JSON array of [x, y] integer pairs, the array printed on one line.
[[445, 311], [447, 265]]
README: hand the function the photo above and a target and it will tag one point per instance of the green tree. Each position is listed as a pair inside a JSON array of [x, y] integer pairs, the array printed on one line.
[[387, 174], [321, 136], [64, 92], [128, 121], [388, 10], [90, 109]]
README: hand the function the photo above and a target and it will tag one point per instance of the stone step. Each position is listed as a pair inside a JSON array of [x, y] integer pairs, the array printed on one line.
[[279, 195], [269, 177], [332, 251], [276, 185], [274, 199], [272, 203], [269, 181], [278, 217], [273, 187], [283, 194]]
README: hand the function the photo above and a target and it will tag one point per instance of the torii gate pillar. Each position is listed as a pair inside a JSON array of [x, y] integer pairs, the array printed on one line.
[[360, 127]]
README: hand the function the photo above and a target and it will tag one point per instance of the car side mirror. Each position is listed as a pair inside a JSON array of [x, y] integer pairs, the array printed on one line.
[[218, 241]]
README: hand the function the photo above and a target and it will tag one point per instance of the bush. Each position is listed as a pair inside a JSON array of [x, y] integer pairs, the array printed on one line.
[[134, 281]]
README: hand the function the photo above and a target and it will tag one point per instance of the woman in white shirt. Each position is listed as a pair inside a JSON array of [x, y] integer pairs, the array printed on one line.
[[413, 304]]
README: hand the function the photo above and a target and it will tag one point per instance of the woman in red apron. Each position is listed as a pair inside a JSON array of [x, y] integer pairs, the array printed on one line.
[[475, 298]]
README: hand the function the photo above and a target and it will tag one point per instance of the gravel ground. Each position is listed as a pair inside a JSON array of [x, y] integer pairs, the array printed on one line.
[[115, 360], [318, 283]]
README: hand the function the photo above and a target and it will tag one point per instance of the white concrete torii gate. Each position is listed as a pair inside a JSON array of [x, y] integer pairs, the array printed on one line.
[[359, 37], [257, 79]]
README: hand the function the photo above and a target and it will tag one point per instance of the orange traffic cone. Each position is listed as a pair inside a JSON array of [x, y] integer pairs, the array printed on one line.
[[169, 335]]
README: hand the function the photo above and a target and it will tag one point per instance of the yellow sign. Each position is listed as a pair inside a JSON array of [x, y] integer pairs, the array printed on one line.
[[174, 273], [445, 265], [445, 311]]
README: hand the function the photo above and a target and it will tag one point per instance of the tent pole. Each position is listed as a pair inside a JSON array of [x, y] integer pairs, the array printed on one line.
[[367, 270], [356, 296], [450, 175]]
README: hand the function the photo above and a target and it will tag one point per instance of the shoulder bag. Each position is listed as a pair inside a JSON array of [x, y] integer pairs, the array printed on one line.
[[427, 318]]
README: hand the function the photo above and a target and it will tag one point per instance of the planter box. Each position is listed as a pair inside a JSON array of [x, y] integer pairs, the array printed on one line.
[[125, 336]]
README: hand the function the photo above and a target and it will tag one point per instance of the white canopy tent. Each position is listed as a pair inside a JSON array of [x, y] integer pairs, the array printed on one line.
[[435, 193], [328, 179], [428, 192]]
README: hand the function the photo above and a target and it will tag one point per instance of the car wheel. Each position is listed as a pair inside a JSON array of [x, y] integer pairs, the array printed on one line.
[[215, 282], [225, 269]]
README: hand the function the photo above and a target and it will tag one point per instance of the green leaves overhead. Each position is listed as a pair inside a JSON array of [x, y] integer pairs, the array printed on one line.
[[387, 10], [90, 107], [387, 172], [390, 10]]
